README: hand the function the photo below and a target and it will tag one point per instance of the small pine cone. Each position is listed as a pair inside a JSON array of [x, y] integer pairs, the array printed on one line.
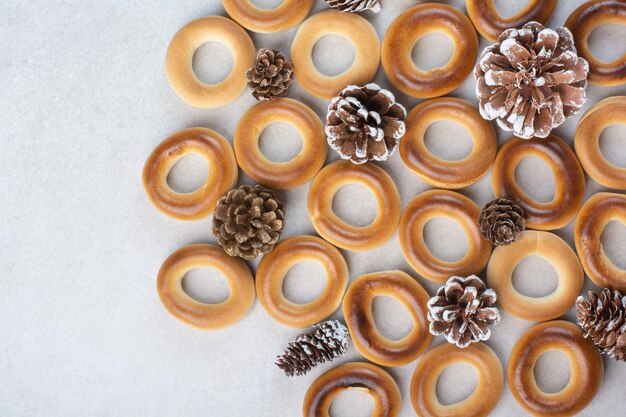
[[603, 320], [355, 6], [501, 221], [324, 342], [271, 76], [531, 80], [248, 221], [365, 123], [463, 311]]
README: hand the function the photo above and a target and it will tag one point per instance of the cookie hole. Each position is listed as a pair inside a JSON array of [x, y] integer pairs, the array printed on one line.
[[280, 142], [333, 55], [353, 402], [212, 62], [612, 144], [206, 285], [432, 50], [391, 317], [536, 179], [456, 383], [607, 43], [552, 372], [355, 204], [445, 239], [304, 282], [612, 239], [448, 140], [267, 4], [188, 174], [535, 277], [509, 8]]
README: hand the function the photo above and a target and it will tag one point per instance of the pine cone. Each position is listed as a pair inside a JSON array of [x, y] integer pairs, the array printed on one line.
[[501, 221], [463, 310], [248, 221], [531, 80], [603, 320], [271, 76], [324, 342], [355, 5], [365, 123]]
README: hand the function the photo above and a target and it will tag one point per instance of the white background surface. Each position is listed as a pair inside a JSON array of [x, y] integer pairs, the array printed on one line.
[[83, 101]]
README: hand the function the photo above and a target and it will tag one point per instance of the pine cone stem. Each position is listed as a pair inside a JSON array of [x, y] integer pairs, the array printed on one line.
[[324, 342]]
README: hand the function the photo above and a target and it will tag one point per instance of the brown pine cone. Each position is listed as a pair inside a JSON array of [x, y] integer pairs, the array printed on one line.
[[355, 5], [531, 80], [603, 320], [271, 76], [248, 221], [325, 342], [365, 123], [463, 311], [501, 221]]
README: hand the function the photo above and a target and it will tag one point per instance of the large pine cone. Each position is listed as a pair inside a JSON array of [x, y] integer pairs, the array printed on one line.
[[325, 342], [603, 320], [463, 311], [501, 221], [531, 80], [248, 221], [365, 123], [355, 5], [271, 76]]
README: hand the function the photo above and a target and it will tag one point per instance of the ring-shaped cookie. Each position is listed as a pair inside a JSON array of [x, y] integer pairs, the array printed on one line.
[[195, 313], [553, 250], [357, 310], [351, 26], [454, 206], [586, 369], [320, 204], [410, 27], [480, 402], [360, 375], [582, 23], [280, 175], [287, 14], [605, 113], [179, 61], [223, 173], [569, 190], [592, 219], [489, 23], [274, 267], [439, 172]]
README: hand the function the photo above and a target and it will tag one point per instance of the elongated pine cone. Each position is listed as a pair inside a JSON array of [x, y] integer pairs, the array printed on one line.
[[463, 311], [501, 221], [324, 342], [603, 320], [248, 221], [271, 76], [355, 6], [365, 123], [531, 80]]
